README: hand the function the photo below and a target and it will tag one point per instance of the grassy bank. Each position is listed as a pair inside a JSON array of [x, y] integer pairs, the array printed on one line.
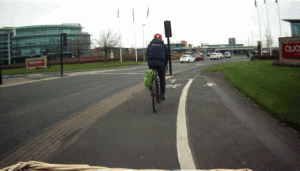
[[70, 67], [274, 88]]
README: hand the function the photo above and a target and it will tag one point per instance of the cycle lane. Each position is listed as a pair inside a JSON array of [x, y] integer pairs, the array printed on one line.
[[131, 135], [227, 130]]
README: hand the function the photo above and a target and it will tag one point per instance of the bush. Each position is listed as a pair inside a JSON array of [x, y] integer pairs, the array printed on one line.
[[278, 63], [266, 57]]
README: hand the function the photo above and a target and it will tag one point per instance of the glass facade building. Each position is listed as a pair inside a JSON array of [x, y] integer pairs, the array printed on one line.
[[33, 41], [295, 26]]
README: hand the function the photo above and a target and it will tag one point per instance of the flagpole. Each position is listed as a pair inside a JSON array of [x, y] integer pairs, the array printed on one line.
[[279, 18], [258, 21], [149, 25], [120, 36], [135, 43], [268, 23], [134, 36], [267, 16]]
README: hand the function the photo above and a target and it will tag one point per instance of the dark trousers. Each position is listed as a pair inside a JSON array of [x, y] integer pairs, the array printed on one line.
[[160, 66]]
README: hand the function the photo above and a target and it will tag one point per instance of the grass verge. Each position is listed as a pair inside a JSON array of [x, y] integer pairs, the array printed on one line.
[[70, 67], [274, 88]]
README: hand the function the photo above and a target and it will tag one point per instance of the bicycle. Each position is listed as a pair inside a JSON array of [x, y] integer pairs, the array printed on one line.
[[155, 90]]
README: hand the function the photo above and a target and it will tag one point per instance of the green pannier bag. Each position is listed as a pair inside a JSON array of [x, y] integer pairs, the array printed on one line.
[[148, 78]]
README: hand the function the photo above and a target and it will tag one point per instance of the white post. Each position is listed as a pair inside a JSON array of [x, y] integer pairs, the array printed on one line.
[[8, 47]]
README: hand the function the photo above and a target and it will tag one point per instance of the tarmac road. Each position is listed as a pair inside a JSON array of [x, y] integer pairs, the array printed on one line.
[[223, 129]]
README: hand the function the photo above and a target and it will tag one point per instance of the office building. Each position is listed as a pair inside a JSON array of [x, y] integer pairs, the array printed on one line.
[[19, 43]]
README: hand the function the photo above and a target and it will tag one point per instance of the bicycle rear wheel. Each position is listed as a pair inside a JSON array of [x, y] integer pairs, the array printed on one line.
[[157, 88], [153, 93]]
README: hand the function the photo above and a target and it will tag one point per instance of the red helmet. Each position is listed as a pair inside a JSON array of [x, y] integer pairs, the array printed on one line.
[[157, 35]]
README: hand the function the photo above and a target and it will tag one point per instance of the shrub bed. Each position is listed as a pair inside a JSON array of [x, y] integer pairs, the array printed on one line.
[[266, 57], [278, 63]]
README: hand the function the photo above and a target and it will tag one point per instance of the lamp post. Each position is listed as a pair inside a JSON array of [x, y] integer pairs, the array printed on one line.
[[252, 37], [143, 42]]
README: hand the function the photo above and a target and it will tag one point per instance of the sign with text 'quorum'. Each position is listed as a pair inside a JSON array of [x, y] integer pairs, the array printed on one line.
[[290, 49], [34, 63]]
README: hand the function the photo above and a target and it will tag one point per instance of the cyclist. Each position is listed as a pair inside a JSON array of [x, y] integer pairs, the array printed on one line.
[[157, 55]]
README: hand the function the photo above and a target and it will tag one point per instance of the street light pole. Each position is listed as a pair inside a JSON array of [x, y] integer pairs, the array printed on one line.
[[143, 43], [252, 38]]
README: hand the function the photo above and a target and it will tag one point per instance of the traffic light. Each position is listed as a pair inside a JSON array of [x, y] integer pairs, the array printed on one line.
[[168, 30], [64, 39]]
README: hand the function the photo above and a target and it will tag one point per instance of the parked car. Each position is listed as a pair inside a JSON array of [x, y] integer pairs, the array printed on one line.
[[216, 56], [187, 58], [227, 55], [198, 57]]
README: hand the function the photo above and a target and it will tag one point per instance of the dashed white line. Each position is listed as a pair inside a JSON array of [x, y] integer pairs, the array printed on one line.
[[185, 158]]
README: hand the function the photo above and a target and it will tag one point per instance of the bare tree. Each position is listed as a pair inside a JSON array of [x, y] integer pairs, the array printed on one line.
[[269, 39], [108, 39], [79, 44]]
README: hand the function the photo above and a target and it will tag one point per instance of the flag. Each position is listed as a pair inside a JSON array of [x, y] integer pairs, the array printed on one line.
[[133, 13], [118, 13], [255, 4], [148, 12]]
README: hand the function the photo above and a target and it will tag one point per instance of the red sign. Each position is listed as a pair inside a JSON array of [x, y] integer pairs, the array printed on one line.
[[290, 49], [35, 62]]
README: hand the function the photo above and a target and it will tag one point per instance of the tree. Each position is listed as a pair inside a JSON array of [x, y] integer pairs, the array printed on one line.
[[79, 44], [108, 39], [269, 39]]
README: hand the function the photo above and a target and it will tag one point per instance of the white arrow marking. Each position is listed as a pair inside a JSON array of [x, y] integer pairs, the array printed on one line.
[[173, 86], [210, 84]]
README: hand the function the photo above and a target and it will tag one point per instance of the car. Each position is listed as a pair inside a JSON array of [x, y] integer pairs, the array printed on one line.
[[213, 56], [198, 57], [220, 55], [216, 56], [227, 55], [187, 58], [208, 54]]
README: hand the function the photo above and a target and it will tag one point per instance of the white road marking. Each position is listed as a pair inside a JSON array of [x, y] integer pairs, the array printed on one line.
[[185, 158], [173, 80], [123, 73], [173, 86], [51, 78], [210, 84], [32, 75]]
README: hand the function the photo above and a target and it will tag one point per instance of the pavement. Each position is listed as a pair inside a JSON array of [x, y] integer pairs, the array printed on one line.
[[225, 130]]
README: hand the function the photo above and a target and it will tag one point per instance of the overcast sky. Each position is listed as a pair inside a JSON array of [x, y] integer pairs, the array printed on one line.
[[196, 21]]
